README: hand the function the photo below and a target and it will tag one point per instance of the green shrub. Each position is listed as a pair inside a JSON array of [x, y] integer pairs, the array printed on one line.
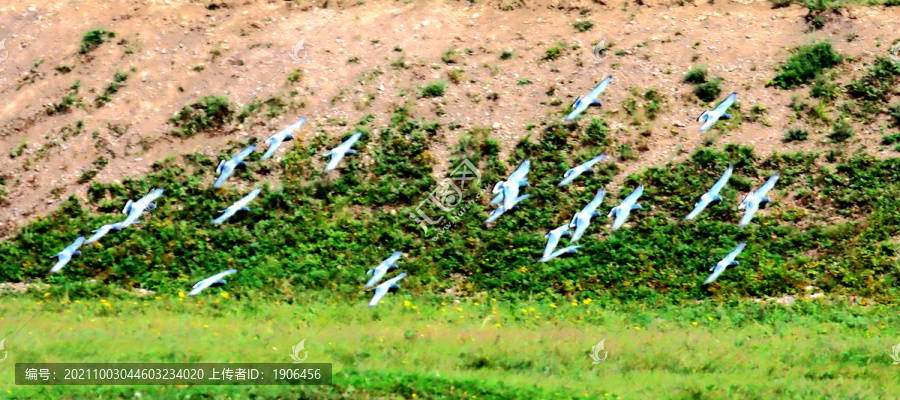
[[435, 89], [824, 89], [841, 130], [555, 51], [805, 64], [795, 134], [583, 26], [94, 38], [756, 112], [696, 75], [894, 110], [891, 139], [207, 114], [708, 91], [295, 76], [878, 83]]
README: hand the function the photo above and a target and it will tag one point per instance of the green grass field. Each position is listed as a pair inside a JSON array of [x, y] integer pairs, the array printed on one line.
[[411, 347]]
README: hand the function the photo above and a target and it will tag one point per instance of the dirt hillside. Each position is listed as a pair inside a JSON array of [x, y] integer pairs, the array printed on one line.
[[334, 63]]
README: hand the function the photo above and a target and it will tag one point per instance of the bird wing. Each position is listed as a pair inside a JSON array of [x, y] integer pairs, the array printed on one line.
[[244, 153], [293, 127], [335, 159], [396, 279], [60, 264], [569, 177], [349, 142], [376, 276], [201, 286], [600, 87], [393, 258], [632, 198], [748, 215], [767, 186], [222, 274], [737, 250], [510, 192], [595, 202], [701, 205], [703, 116], [521, 171], [153, 195], [719, 270], [272, 147], [722, 181], [226, 172], [520, 198], [250, 196], [380, 291], [99, 233], [75, 245], [498, 198], [570, 249], [495, 214], [552, 241], [621, 216], [228, 213], [723, 106], [590, 163], [581, 225]]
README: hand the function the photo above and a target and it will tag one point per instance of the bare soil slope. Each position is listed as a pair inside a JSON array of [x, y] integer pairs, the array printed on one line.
[[358, 59]]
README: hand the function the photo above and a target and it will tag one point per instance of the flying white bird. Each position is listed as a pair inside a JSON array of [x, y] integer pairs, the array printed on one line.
[[500, 210], [582, 219], [66, 255], [386, 286], [275, 140], [339, 152], [226, 168], [582, 103], [508, 190], [564, 250], [708, 118], [622, 210], [552, 240], [750, 205], [134, 209], [99, 233], [725, 263], [240, 205], [577, 171], [213, 281], [712, 195], [382, 269]]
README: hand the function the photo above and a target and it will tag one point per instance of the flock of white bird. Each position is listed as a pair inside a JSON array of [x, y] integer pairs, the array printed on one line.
[[506, 191]]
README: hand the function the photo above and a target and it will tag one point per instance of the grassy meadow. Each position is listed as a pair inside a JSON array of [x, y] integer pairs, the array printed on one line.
[[482, 348], [478, 317]]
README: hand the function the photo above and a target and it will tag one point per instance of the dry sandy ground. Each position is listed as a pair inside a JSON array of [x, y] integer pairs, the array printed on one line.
[[343, 43]]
